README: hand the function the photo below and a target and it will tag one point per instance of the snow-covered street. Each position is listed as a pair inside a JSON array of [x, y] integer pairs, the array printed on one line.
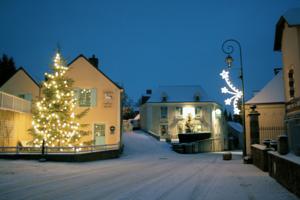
[[148, 169]]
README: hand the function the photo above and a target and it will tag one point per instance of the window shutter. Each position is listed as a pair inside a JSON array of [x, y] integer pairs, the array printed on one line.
[[93, 97], [76, 95]]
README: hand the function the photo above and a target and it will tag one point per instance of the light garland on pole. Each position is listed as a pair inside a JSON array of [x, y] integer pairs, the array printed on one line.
[[236, 93]]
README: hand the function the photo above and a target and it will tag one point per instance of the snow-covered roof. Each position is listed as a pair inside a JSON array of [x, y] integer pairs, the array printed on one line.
[[178, 94], [292, 18], [236, 126], [273, 92]]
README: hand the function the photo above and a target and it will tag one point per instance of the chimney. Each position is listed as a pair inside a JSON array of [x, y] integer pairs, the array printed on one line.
[[277, 70], [94, 61]]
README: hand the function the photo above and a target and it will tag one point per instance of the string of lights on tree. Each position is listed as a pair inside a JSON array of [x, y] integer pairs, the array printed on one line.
[[53, 116], [232, 90]]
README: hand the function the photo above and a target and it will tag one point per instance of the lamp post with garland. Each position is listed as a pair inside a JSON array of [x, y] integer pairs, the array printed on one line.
[[228, 48]]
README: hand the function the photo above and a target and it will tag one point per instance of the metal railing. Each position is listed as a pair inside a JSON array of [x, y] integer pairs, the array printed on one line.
[[270, 132], [14, 103], [59, 150]]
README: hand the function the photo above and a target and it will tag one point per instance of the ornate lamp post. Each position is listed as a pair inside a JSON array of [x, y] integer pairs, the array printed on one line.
[[228, 48]]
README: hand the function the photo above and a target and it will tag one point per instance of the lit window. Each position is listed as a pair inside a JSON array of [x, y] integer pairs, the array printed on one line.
[[85, 97], [164, 112]]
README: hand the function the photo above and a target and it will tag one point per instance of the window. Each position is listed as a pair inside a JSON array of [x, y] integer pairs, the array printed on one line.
[[86, 97], [164, 112], [27, 96], [163, 130], [198, 111], [291, 83], [178, 112]]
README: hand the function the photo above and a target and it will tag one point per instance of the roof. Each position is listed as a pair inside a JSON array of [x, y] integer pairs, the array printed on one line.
[[27, 74], [236, 126], [273, 92], [82, 56], [178, 94], [292, 18]]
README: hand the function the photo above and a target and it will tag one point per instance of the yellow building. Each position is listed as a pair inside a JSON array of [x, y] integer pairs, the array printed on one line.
[[270, 104], [22, 85], [287, 40], [168, 109], [94, 91], [16, 96]]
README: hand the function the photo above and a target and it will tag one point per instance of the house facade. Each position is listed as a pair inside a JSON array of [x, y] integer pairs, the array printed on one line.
[[16, 96], [172, 110], [101, 96], [95, 93], [287, 40], [270, 104]]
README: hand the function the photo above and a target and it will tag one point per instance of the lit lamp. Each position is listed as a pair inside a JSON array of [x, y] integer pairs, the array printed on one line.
[[228, 48], [229, 60]]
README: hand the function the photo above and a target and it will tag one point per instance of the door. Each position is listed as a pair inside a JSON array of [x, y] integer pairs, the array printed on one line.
[[99, 134]]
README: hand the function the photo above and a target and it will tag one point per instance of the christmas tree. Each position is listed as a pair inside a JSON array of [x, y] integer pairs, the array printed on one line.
[[54, 119]]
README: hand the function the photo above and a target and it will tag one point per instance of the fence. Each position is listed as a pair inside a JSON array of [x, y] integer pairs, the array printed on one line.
[[14, 103], [271, 132], [58, 150]]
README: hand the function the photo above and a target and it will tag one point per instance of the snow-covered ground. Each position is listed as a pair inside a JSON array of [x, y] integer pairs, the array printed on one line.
[[148, 169]]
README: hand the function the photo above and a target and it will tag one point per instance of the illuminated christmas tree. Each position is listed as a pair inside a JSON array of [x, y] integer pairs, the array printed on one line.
[[54, 119]]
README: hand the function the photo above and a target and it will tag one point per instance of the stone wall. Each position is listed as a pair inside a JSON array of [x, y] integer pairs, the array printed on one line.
[[260, 156], [286, 170]]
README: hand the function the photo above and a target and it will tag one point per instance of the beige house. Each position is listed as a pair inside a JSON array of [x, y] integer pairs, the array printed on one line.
[[94, 91], [16, 96], [169, 108], [270, 104], [287, 40], [22, 85]]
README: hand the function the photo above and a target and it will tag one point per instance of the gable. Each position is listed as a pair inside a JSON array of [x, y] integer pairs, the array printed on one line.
[[21, 83], [292, 19], [80, 67]]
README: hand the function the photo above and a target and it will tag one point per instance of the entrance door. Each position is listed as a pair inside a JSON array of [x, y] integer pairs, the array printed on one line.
[[99, 134]]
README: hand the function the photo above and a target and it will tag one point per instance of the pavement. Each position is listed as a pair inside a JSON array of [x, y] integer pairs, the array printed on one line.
[[148, 169]]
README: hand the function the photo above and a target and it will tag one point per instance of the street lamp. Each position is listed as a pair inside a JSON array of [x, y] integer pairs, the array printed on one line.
[[228, 49]]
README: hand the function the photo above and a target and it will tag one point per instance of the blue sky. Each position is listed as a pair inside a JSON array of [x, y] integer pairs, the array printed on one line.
[[143, 44]]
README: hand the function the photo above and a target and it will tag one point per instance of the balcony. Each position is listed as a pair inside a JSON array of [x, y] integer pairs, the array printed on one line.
[[14, 103]]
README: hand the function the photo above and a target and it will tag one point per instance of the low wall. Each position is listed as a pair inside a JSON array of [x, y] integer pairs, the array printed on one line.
[[286, 170], [79, 157], [260, 156]]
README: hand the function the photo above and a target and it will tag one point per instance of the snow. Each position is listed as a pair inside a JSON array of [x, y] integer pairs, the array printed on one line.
[[148, 169], [178, 94], [292, 16], [273, 92], [236, 126]]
